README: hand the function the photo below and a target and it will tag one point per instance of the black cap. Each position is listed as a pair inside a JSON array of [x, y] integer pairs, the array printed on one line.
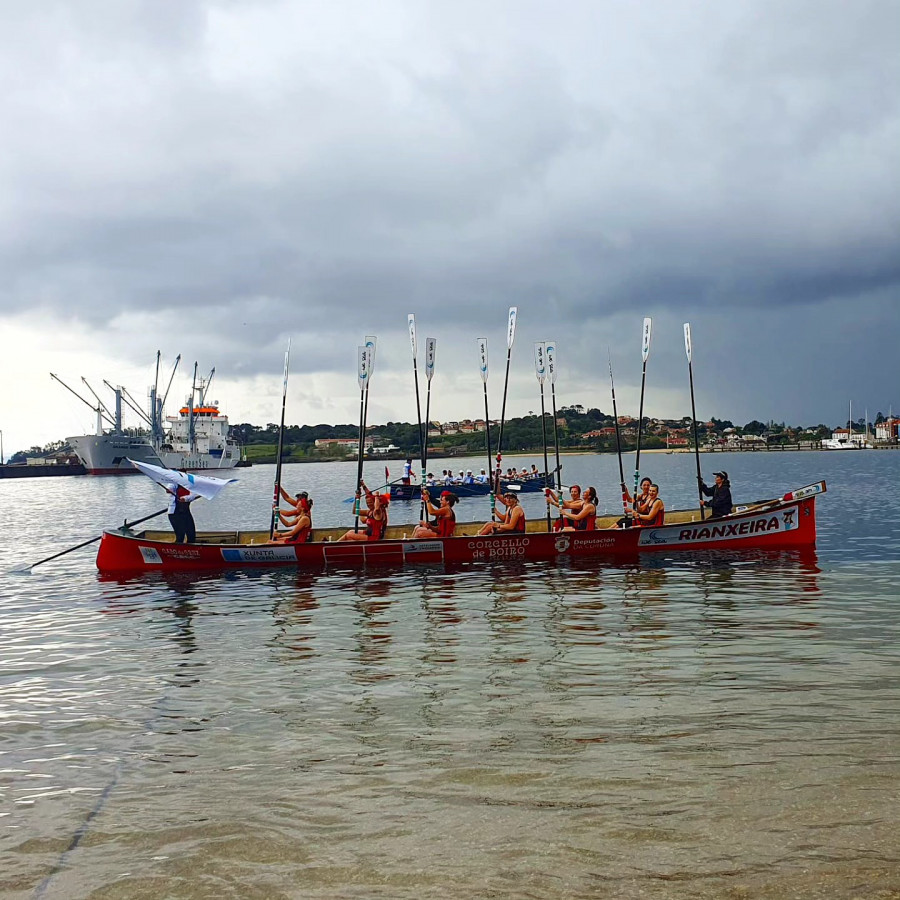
[[723, 474]]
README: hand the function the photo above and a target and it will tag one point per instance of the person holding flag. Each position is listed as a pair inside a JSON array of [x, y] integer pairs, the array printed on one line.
[[180, 517], [184, 488]]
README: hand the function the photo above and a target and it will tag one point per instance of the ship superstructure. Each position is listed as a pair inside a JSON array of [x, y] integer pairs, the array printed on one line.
[[197, 438]]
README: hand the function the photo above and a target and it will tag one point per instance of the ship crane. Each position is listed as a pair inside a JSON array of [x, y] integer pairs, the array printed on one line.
[[100, 409]]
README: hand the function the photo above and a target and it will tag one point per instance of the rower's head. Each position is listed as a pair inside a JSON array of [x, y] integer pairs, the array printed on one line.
[[645, 484], [449, 498], [575, 491], [653, 491], [511, 497], [721, 478], [591, 496]]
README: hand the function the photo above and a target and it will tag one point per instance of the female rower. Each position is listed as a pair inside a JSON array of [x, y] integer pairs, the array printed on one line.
[[299, 525], [585, 518], [444, 522], [374, 514], [656, 510], [572, 505], [512, 521], [642, 502]]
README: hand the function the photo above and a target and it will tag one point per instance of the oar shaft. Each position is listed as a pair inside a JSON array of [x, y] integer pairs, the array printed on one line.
[[544, 445], [637, 453], [277, 492], [696, 442], [557, 481], [359, 462], [94, 540], [499, 471], [612, 385]]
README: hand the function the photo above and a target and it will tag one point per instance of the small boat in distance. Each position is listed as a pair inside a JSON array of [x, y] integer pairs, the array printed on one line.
[[477, 489], [788, 522]]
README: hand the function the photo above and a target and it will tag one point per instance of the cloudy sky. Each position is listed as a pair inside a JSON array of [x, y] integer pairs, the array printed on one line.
[[212, 177]]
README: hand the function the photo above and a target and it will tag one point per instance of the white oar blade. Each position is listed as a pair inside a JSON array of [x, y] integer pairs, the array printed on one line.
[[430, 350], [511, 330], [287, 364], [483, 358], [370, 346], [551, 361], [411, 321], [645, 343], [540, 367], [687, 340], [362, 356]]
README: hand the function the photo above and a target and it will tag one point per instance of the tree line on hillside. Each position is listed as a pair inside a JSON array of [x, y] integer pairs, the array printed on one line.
[[522, 433], [577, 428]]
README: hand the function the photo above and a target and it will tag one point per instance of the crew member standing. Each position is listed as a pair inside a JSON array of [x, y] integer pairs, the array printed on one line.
[[721, 495], [180, 518]]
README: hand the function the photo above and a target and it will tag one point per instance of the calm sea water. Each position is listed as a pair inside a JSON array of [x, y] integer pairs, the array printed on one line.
[[698, 727]]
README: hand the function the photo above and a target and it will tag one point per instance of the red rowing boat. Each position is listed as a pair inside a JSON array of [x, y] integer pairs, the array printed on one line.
[[788, 522]]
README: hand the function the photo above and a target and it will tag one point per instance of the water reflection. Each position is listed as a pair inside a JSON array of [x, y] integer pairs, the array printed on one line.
[[372, 601]]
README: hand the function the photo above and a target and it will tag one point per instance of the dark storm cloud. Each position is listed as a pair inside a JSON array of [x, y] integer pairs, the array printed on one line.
[[282, 168]]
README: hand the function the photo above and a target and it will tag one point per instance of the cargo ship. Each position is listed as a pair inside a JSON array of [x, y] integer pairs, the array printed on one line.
[[196, 439]]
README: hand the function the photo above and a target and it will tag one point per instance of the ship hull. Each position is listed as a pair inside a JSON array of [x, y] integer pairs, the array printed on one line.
[[108, 454]]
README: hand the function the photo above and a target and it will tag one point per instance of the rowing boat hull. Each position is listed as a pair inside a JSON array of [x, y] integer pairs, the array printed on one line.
[[785, 525]]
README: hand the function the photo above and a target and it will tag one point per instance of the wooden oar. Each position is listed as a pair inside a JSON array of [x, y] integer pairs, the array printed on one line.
[[277, 497], [645, 352], [430, 350], [687, 350], [362, 354], [510, 337], [411, 322], [483, 357], [551, 374], [612, 385], [540, 370], [27, 569]]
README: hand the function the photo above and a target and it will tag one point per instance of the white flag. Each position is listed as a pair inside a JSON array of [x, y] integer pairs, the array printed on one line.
[[204, 485]]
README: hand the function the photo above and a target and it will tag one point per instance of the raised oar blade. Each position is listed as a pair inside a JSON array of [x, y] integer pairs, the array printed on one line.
[[687, 340], [483, 357], [511, 328], [371, 340], [551, 361], [362, 356], [645, 344], [411, 322], [540, 366], [430, 349]]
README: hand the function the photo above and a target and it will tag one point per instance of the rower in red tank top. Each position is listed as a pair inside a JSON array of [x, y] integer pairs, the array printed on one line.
[[656, 510], [374, 515], [444, 523]]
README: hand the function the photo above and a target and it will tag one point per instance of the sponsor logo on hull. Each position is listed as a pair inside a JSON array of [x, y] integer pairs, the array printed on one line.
[[499, 548], [716, 530], [258, 554], [410, 548]]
